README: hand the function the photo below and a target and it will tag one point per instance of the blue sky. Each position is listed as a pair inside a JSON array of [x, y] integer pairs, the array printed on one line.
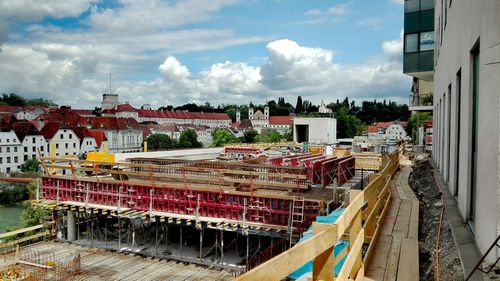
[[220, 51]]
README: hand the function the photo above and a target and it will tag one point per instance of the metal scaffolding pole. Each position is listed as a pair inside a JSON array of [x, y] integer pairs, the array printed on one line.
[[222, 246], [201, 244], [248, 252], [180, 244], [156, 236]]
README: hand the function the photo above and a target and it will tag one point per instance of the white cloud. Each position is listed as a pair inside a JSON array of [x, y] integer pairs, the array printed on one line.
[[373, 23], [399, 2], [394, 48], [12, 11], [337, 10]]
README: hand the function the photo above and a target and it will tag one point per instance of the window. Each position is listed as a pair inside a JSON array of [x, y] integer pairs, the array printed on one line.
[[25, 157], [8, 159], [1, 160], [16, 159], [66, 145], [426, 4], [33, 149], [33, 139], [41, 148], [411, 43], [8, 149], [8, 140], [25, 149], [57, 146], [70, 136], [15, 149], [61, 136], [74, 145], [427, 41]]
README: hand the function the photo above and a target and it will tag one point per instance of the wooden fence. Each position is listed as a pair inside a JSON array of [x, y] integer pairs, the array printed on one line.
[[359, 224]]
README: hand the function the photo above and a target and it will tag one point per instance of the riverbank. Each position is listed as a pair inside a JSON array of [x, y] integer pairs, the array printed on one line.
[[10, 216]]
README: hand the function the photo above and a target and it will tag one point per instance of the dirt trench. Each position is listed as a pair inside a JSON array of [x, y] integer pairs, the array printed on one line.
[[424, 185]]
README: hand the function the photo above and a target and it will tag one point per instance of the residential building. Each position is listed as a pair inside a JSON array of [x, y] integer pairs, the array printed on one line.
[[32, 140], [419, 51], [466, 132], [11, 150], [87, 140], [123, 134], [396, 131], [61, 138]]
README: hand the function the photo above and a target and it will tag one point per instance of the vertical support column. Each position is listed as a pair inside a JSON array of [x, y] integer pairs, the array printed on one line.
[[248, 252], [71, 226], [201, 242]]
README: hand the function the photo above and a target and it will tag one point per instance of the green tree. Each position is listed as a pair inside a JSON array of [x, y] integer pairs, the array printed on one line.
[[298, 107], [30, 166], [268, 136], [348, 125], [189, 139], [249, 136], [160, 141], [416, 121], [222, 137]]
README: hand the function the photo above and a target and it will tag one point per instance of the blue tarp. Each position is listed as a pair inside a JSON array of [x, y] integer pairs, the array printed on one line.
[[303, 272]]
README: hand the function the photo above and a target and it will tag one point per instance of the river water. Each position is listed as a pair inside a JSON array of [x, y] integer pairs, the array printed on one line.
[[10, 216]]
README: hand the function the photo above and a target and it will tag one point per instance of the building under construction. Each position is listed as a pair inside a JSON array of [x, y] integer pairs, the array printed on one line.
[[233, 214]]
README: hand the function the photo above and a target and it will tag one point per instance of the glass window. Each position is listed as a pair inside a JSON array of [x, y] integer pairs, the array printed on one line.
[[411, 6], [427, 41], [15, 149], [426, 4], [411, 43]]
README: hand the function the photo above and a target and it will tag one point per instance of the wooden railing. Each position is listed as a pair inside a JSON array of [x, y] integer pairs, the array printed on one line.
[[40, 232], [359, 223]]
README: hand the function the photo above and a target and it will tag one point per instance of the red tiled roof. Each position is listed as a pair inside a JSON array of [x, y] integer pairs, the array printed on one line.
[[81, 132], [125, 107], [23, 129], [50, 129], [245, 124], [9, 109], [113, 123], [99, 136], [281, 120], [182, 115], [372, 129]]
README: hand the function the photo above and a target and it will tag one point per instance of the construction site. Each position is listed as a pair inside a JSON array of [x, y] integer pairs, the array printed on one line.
[[227, 215]]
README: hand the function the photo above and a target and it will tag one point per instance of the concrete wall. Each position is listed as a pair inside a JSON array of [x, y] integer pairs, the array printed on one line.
[[321, 130], [467, 24]]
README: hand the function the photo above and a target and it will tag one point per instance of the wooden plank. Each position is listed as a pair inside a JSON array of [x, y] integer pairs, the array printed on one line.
[[376, 268], [408, 261], [414, 217], [391, 270], [282, 265], [390, 219], [402, 220], [23, 230], [352, 257], [323, 264]]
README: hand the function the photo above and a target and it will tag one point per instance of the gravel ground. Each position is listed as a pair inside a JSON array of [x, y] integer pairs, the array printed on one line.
[[424, 185]]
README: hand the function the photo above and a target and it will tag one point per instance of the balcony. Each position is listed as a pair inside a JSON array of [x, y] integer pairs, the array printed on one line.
[[420, 102]]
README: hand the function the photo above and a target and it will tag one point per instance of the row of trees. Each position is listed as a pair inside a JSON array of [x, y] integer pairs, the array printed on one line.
[[17, 100], [187, 139]]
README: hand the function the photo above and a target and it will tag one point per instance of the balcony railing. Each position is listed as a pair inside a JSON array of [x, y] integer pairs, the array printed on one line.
[[420, 100]]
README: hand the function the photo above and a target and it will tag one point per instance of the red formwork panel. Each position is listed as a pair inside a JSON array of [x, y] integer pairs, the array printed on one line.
[[295, 161], [329, 171], [308, 163], [346, 169], [213, 204], [277, 161]]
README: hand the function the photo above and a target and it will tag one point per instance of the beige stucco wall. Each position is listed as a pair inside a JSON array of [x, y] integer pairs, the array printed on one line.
[[468, 23]]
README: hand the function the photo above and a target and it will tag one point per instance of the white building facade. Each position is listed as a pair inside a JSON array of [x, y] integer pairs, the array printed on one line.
[[466, 128], [11, 152]]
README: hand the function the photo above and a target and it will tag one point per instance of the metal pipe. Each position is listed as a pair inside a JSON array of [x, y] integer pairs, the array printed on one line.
[[201, 244], [181, 240]]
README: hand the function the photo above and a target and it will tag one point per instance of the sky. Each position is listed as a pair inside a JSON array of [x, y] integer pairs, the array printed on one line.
[[218, 51]]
